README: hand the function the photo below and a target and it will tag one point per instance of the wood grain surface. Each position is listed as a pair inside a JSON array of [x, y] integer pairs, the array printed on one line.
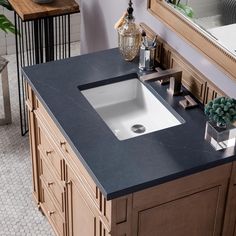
[[28, 10]]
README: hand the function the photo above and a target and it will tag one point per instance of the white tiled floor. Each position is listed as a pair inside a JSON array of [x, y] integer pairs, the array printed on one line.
[[19, 215]]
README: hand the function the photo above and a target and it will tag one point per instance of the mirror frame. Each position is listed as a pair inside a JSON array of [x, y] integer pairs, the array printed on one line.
[[194, 35]]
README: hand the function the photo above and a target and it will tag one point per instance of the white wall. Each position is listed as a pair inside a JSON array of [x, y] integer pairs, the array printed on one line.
[[7, 41], [97, 33], [75, 25]]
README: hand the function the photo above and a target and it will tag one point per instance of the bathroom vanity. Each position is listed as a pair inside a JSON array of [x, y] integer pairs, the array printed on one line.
[[88, 182]]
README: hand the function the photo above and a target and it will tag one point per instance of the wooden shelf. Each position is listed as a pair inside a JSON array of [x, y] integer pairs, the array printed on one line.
[[28, 10]]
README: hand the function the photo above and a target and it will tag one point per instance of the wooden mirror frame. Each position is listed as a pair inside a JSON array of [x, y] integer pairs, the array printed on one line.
[[194, 35]]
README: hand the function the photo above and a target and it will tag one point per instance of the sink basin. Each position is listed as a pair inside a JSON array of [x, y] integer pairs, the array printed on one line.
[[130, 109]]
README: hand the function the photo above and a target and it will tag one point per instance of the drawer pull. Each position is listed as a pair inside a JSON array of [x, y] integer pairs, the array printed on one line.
[[63, 146], [50, 183], [48, 153], [68, 183], [51, 212]]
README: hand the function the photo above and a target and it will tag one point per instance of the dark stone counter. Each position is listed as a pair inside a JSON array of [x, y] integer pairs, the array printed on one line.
[[120, 167]]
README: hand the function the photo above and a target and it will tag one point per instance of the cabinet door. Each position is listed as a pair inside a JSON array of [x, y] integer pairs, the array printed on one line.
[[81, 220], [230, 213], [193, 205], [190, 215]]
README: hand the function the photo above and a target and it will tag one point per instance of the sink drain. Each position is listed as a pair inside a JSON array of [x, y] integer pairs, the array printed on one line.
[[138, 129]]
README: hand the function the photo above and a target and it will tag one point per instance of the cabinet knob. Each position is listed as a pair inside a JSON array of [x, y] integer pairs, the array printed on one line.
[[51, 212], [68, 182], [48, 153], [50, 183], [63, 145]]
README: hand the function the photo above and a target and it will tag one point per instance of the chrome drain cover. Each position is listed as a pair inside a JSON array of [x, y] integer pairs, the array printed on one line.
[[138, 129]]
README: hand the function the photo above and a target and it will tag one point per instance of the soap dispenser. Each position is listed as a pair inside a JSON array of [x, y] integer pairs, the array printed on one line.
[[129, 36]]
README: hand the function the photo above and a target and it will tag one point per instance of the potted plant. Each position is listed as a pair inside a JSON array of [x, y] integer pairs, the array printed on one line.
[[5, 24], [183, 8], [221, 111]]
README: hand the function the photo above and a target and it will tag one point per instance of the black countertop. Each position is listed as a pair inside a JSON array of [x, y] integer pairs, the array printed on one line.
[[120, 167]]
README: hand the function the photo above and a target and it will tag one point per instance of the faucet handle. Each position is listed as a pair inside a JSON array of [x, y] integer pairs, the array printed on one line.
[[163, 81], [188, 102], [175, 76], [175, 83], [160, 75]]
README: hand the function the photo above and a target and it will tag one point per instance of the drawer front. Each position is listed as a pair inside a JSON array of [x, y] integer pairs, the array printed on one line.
[[52, 213], [64, 148], [53, 186], [29, 96], [51, 126], [72, 159], [178, 188], [49, 151]]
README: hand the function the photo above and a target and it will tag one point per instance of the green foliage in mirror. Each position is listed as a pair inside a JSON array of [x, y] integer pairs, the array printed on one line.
[[183, 8], [6, 24], [6, 4], [221, 110]]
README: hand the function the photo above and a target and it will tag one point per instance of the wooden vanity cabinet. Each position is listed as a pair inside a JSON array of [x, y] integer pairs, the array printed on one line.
[[81, 219], [67, 195], [230, 213], [30, 104], [63, 189], [192, 205]]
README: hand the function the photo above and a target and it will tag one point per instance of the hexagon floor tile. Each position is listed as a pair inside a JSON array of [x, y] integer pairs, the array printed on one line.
[[19, 215]]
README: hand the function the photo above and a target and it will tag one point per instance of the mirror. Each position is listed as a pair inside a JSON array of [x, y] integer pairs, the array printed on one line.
[[209, 25], [216, 17]]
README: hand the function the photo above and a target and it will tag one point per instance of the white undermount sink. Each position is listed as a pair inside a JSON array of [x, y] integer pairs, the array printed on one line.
[[130, 109]]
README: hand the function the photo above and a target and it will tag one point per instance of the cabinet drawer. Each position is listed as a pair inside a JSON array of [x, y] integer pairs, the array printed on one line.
[[51, 126], [52, 213], [168, 218], [29, 96], [53, 186], [49, 151], [72, 159], [180, 187], [65, 149]]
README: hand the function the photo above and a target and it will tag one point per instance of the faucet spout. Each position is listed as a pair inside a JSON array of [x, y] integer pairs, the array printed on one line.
[[175, 76]]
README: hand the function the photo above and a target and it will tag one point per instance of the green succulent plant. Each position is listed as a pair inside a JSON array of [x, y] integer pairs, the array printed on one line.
[[6, 24], [221, 110], [183, 8]]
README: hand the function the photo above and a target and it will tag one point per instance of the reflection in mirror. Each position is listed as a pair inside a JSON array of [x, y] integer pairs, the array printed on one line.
[[217, 17]]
